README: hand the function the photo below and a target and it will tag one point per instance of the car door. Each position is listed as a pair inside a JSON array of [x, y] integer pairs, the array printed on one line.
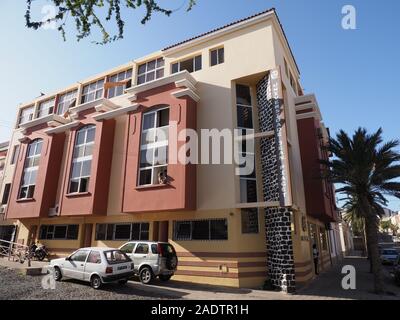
[[128, 250], [75, 265], [93, 264], [140, 255]]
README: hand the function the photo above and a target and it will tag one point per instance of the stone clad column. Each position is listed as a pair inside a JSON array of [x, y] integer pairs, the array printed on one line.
[[280, 260]]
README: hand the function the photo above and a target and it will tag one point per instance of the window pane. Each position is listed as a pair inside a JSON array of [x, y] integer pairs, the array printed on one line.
[[122, 232], [214, 57], [86, 166], [84, 187], [141, 79], [201, 230], [110, 232], [175, 68], [221, 55], [159, 73], [148, 121], [145, 177], [142, 69], [197, 63], [31, 192], [249, 220], [161, 156], [60, 232], [151, 65], [94, 257], [72, 232], [248, 191], [160, 175], [74, 186], [150, 76], [142, 248], [90, 134], [80, 256], [135, 231], [43, 232], [76, 170], [163, 118], [243, 95], [219, 229], [160, 62], [187, 65], [182, 230], [245, 117], [146, 158], [101, 230]]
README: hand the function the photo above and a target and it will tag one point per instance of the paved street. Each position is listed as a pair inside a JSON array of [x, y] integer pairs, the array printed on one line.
[[327, 286]]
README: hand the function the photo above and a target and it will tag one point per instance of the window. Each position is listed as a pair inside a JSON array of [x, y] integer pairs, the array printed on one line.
[[46, 108], [15, 155], [116, 257], [191, 65], [124, 76], [93, 91], [26, 115], [82, 159], [249, 220], [6, 193], [154, 147], [201, 230], [217, 56], [122, 232], [128, 248], [80, 256], [286, 67], [59, 232], [66, 101], [31, 168], [150, 71], [133, 231], [248, 182], [94, 257], [142, 248], [293, 83]]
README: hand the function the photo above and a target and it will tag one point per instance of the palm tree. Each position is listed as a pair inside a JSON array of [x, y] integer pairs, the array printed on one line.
[[356, 221], [366, 169]]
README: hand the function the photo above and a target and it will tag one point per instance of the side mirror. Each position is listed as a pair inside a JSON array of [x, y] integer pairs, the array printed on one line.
[[68, 258]]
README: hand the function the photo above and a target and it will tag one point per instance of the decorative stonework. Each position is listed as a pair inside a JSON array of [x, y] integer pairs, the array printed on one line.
[[280, 260]]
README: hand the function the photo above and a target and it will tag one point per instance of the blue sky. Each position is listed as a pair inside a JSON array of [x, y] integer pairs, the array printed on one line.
[[354, 73]]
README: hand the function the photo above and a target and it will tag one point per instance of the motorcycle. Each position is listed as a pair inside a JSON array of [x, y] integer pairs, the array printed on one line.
[[35, 252], [41, 253]]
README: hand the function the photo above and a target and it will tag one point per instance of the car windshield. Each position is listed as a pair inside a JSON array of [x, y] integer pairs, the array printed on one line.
[[116, 256]]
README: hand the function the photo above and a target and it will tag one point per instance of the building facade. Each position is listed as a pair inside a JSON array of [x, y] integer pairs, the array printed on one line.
[[79, 173]]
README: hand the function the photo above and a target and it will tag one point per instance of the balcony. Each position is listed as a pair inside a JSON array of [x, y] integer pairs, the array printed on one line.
[[51, 120]]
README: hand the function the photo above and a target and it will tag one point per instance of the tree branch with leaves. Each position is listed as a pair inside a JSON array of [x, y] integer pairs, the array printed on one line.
[[86, 15]]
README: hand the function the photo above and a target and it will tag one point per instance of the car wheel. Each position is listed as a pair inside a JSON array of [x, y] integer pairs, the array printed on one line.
[[123, 282], [57, 274], [146, 275], [164, 278], [95, 282]]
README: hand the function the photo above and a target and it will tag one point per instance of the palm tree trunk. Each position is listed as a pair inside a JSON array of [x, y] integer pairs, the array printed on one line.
[[371, 227]]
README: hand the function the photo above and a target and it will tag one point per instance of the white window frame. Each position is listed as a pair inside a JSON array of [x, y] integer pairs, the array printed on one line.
[[69, 101], [158, 67], [99, 88], [218, 56], [119, 79], [30, 168], [82, 159], [26, 114], [46, 107], [154, 145], [185, 60]]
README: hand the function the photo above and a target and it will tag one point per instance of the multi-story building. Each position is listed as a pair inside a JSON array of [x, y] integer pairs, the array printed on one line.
[[80, 174], [7, 227], [323, 216]]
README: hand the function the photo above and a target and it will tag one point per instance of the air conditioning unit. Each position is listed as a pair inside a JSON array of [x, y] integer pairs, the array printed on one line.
[[2, 209], [53, 212]]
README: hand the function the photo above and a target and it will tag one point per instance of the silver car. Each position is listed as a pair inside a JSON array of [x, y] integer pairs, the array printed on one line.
[[152, 259], [94, 265], [389, 256]]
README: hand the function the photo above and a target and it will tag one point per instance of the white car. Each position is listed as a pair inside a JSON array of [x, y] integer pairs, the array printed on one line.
[[94, 265]]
